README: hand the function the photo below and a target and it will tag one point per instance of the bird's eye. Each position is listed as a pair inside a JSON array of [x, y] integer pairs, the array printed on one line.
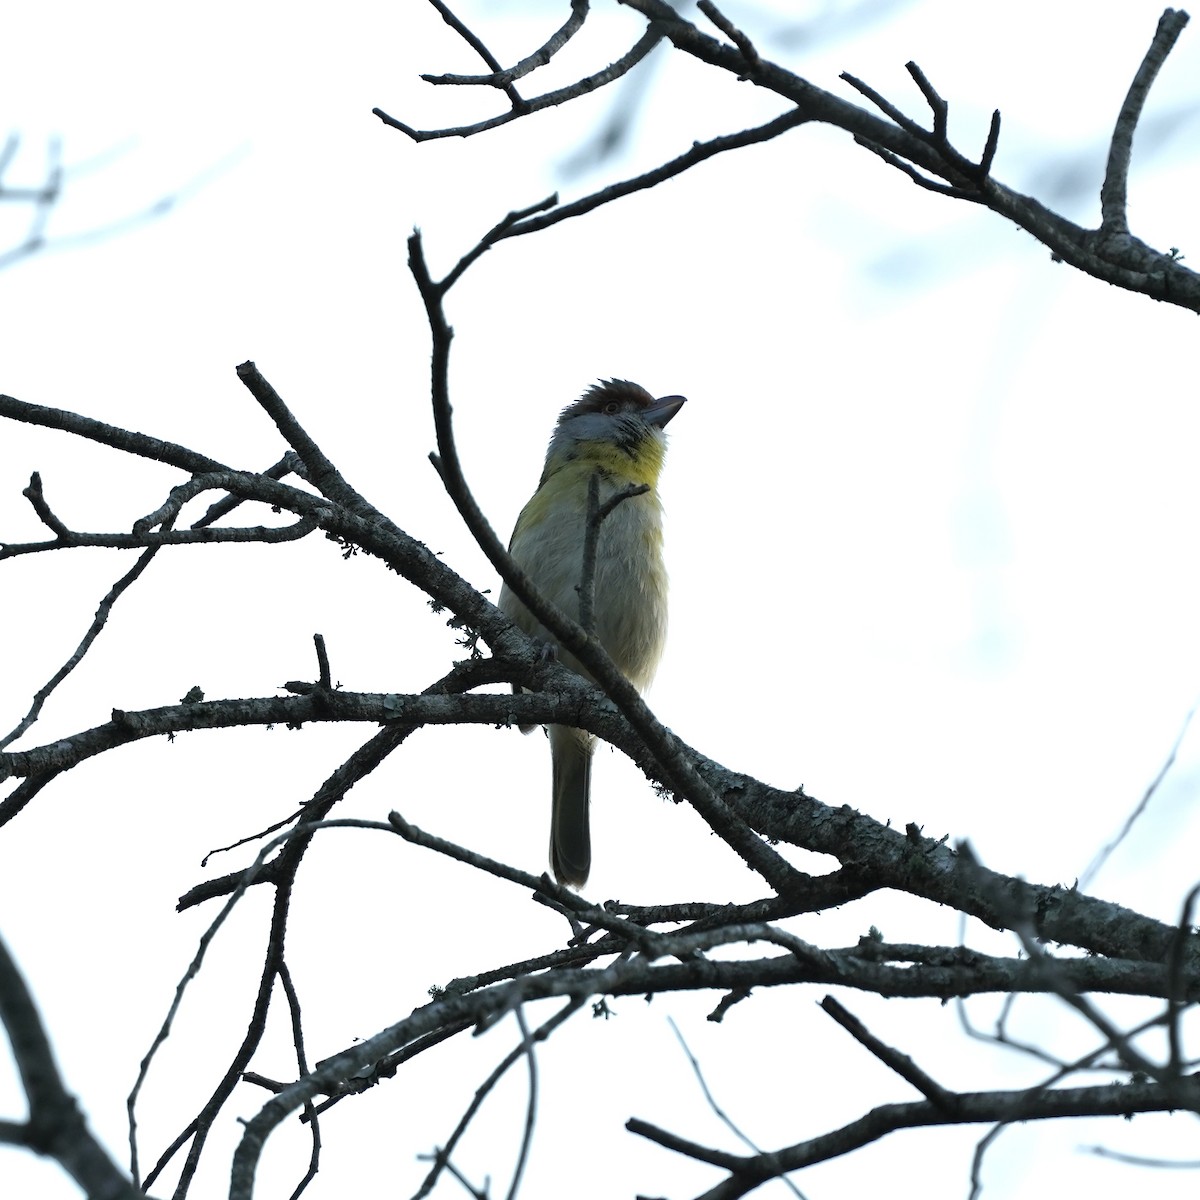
[[612, 408]]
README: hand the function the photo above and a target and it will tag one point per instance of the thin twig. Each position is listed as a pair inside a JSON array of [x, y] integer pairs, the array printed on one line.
[[476, 44], [732, 32], [595, 516], [984, 1144], [288, 464], [34, 494], [51, 193], [699, 152], [989, 147], [937, 105], [539, 58], [140, 444], [254, 837], [493, 235], [587, 575], [582, 87], [563, 898], [884, 105], [721, 1114], [1124, 262], [527, 1044], [746, 1174], [99, 620], [319, 471], [164, 1031], [195, 1133], [310, 1114], [671, 1141], [930, 185], [441, 1157], [1113, 192], [323, 679], [1138, 1160], [1102, 857], [12, 143], [889, 1056]]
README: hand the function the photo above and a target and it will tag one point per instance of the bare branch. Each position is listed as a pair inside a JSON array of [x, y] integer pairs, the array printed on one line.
[[700, 152], [717, 1109], [98, 622], [366, 529], [290, 463], [55, 1126], [49, 195], [596, 515], [485, 243], [884, 105], [295, 843], [938, 106], [539, 58], [732, 32], [671, 1141], [322, 663], [1114, 219], [1137, 1160], [340, 706], [1124, 262], [558, 896], [747, 1174], [582, 87], [310, 1113], [319, 471], [441, 1157], [477, 45], [110, 435], [1102, 857], [34, 494], [527, 1048], [898, 1062]]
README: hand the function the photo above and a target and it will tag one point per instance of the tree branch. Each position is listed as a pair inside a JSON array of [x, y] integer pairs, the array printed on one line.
[[500, 78], [1123, 261], [55, 1126], [1114, 218], [968, 1108], [582, 87]]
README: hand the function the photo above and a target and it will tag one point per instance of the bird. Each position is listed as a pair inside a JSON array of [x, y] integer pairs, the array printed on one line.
[[614, 432]]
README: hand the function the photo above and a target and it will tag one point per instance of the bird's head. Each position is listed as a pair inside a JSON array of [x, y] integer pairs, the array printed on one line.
[[616, 425]]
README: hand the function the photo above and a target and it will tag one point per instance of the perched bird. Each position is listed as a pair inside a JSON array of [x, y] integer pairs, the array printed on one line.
[[615, 432]]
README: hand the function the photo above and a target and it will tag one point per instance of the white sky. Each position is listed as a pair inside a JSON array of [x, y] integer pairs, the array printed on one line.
[[931, 534]]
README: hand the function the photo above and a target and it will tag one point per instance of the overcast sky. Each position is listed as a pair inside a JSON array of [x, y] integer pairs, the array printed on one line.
[[931, 531]]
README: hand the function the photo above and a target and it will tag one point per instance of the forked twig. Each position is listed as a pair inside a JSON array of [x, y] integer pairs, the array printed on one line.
[[582, 87], [721, 1114], [531, 62]]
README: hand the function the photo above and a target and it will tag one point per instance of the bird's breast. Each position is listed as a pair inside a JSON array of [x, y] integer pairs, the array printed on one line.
[[630, 605]]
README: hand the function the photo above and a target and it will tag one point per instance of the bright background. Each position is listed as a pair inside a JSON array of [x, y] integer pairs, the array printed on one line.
[[931, 534]]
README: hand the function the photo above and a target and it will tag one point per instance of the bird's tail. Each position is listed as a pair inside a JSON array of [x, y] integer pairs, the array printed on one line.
[[570, 838]]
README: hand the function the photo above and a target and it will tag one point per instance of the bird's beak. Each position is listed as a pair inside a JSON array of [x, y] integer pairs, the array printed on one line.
[[661, 411]]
